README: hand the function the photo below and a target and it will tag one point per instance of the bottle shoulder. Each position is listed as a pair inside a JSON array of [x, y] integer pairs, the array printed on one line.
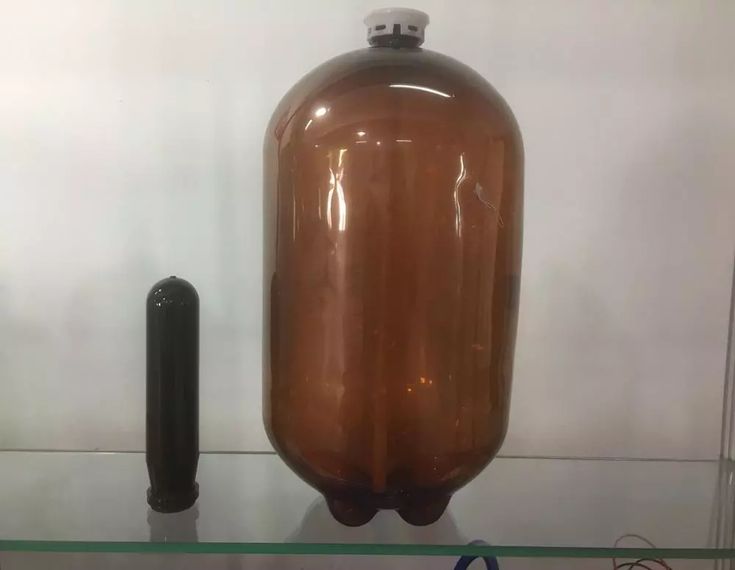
[[406, 82]]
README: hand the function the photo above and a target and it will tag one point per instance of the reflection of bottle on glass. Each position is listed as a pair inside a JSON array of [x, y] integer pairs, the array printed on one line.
[[393, 203], [174, 527]]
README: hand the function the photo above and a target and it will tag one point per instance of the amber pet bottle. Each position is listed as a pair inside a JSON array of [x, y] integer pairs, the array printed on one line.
[[393, 183]]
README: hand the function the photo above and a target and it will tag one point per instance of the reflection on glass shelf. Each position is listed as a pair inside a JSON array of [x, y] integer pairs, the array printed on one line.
[[252, 503]]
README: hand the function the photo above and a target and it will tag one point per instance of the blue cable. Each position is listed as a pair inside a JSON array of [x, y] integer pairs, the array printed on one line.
[[491, 563]]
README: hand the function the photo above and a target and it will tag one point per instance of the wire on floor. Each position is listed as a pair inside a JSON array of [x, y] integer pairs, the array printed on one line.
[[641, 563], [491, 562]]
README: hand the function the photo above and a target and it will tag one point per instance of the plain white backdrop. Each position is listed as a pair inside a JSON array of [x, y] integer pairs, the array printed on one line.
[[130, 149]]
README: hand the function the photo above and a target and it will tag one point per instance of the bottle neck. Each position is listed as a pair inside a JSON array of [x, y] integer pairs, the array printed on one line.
[[395, 40]]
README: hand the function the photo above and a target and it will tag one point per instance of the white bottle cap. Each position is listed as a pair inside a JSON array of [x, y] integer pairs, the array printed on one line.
[[398, 22]]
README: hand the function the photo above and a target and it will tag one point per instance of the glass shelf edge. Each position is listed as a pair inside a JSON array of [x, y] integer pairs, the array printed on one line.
[[308, 548]]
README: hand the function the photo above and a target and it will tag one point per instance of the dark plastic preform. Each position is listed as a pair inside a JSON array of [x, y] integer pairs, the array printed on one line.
[[172, 395]]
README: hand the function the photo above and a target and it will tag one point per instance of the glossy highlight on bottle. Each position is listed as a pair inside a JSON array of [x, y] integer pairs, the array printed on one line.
[[393, 218]]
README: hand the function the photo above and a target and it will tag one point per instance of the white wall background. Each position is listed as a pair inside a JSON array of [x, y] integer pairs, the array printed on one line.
[[130, 149]]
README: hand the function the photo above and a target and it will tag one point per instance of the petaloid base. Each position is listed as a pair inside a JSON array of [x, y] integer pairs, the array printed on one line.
[[352, 512], [422, 513]]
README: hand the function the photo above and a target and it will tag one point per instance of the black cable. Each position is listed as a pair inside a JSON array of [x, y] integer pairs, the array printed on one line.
[[491, 562], [636, 564], [660, 562]]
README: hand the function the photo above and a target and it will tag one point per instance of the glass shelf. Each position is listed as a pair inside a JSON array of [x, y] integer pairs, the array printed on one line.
[[252, 503]]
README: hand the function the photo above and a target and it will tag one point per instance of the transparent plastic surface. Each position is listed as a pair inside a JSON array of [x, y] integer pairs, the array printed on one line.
[[393, 202], [79, 502]]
